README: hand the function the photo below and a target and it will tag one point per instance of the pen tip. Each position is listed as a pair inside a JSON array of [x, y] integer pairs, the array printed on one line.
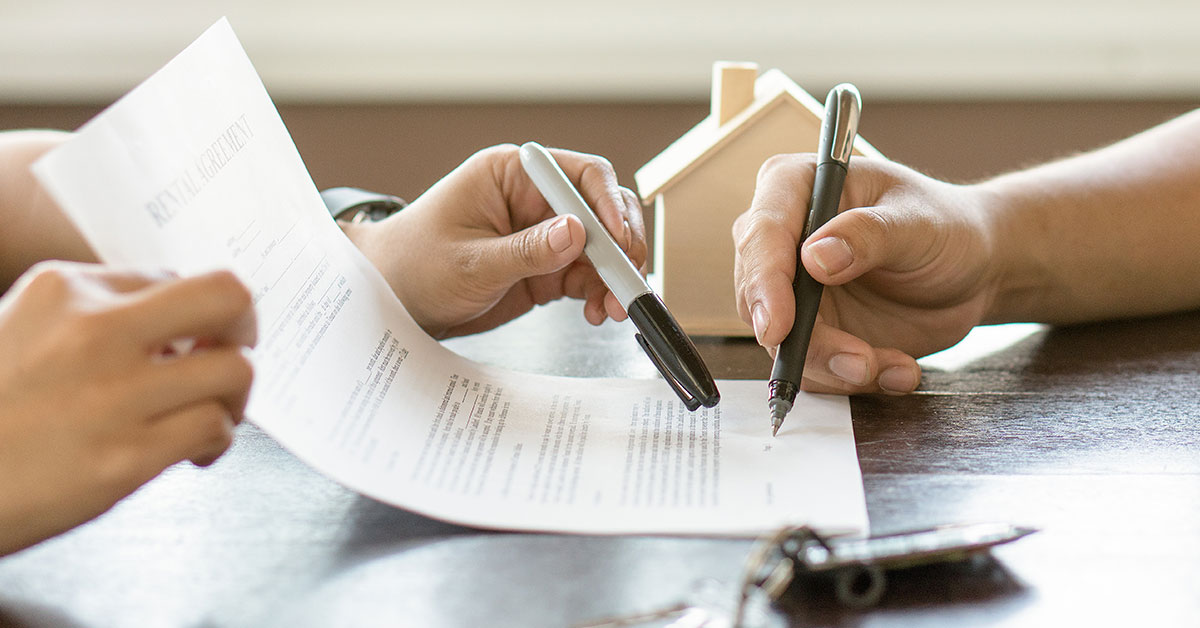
[[779, 409]]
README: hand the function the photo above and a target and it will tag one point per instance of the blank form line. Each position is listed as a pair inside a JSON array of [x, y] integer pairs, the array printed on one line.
[[288, 306]]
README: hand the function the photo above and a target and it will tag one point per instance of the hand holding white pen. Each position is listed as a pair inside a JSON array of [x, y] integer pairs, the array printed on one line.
[[668, 347], [482, 247]]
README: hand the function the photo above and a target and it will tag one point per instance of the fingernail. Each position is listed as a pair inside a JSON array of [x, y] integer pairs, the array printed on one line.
[[626, 234], [832, 254], [850, 367], [898, 379], [560, 235], [761, 321]]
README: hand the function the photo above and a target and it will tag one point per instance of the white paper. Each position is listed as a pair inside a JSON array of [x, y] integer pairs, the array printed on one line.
[[194, 170]]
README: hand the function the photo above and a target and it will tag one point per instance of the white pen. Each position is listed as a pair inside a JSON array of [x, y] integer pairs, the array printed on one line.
[[660, 336]]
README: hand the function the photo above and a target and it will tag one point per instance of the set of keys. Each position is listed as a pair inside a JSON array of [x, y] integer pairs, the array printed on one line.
[[856, 567]]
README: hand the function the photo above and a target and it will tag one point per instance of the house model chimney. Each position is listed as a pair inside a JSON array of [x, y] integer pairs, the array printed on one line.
[[732, 88]]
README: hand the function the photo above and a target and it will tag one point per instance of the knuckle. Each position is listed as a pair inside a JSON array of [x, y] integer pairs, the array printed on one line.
[[221, 437], [774, 163], [242, 370], [598, 162], [504, 147], [236, 371], [633, 203], [498, 150], [783, 164], [227, 283], [747, 230], [524, 249], [870, 224], [48, 279], [214, 430], [226, 289], [602, 167]]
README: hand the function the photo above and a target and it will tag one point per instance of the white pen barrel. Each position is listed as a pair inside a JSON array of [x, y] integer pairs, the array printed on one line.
[[611, 263], [613, 266]]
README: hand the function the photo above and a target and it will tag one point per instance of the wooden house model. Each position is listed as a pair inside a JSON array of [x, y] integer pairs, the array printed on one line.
[[705, 179]]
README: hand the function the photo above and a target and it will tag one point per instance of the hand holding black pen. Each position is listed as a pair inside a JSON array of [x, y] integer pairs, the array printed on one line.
[[838, 130]]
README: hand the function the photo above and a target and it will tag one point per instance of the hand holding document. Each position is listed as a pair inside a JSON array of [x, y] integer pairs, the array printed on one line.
[[194, 170]]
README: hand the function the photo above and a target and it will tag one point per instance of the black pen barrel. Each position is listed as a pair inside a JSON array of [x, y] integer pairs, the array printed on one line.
[[793, 351]]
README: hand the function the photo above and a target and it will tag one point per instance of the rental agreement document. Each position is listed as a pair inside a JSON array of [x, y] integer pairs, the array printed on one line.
[[194, 170]]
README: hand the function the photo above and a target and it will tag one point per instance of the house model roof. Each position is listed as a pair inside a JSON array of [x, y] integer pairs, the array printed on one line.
[[771, 89]]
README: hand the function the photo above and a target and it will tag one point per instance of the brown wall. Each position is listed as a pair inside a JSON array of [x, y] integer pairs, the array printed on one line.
[[404, 148]]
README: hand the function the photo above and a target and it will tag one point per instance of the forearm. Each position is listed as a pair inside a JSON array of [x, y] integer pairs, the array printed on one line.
[[34, 228], [1107, 234]]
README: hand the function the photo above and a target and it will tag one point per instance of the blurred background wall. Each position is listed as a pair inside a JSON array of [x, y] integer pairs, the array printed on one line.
[[390, 95]]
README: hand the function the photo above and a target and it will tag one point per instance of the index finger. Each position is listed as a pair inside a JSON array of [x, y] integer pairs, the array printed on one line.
[[766, 238], [215, 306], [93, 278], [596, 181]]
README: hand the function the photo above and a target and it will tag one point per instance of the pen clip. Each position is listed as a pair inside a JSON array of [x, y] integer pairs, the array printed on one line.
[[689, 400], [843, 106]]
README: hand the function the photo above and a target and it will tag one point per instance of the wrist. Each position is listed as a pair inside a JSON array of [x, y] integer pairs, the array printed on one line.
[[358, 212], [392, 248], [1019, 270], [355, 205]]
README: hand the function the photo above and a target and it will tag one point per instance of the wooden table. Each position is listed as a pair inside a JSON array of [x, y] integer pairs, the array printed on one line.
[[1090, 433]]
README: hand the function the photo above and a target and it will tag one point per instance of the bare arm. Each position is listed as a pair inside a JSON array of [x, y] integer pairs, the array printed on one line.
[[1111, 233], [34, 229]]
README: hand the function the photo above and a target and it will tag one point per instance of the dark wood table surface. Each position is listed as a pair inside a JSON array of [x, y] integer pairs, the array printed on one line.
[[1090, 433]]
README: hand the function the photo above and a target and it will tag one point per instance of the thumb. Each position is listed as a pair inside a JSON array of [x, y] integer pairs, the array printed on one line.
[[859, 240], [537, 250]]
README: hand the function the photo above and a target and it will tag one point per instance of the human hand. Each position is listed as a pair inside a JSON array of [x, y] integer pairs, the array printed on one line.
[[906, 264], [482, 246], [94, 403]]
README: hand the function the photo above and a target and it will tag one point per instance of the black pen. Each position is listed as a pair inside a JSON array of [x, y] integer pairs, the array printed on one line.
[[665, 343], [838, 129]]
